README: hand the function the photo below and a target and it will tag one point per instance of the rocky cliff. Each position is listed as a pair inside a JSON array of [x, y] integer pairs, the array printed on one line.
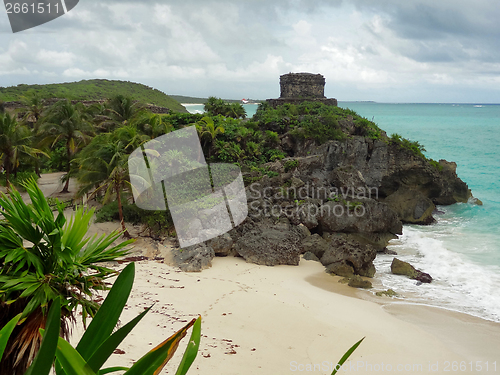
[[340, 200]]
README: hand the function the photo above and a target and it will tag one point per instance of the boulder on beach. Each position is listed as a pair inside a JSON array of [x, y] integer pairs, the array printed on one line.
[[398, 267], [357, 282]]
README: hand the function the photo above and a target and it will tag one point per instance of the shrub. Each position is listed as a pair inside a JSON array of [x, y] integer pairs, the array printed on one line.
[[291, 164], [435, 164], [413, 146]]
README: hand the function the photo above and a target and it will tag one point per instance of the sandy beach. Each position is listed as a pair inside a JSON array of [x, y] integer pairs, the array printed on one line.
[[286, 319]]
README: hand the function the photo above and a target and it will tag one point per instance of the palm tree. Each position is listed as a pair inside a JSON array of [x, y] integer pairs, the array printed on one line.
[[70, 123], [208, 130], [215, 106], [154, 125], [104, 168], [119, 110], [15, 141], [131, 137], [236, 110], [44, 257], [35, 108]]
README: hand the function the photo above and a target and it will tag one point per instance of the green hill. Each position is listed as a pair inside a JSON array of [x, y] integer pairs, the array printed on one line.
[[94, 89]]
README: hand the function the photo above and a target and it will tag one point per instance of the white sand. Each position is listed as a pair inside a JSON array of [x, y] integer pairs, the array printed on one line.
[[285, 319], [279, 320]]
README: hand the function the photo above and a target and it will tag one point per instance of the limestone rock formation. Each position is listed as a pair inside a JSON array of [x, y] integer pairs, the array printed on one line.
[[399, 267], [357, 282], [194, 258], [411, 206], [269, 243], [344, 252]]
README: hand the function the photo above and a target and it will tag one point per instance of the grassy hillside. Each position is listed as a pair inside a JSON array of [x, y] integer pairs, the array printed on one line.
[[94, 89]]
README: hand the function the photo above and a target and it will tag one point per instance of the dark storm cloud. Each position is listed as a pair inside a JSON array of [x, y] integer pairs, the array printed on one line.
[[442, 30]]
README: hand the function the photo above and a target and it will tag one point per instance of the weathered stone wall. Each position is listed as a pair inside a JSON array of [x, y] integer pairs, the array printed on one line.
[[302, 85], [276, 102], [299, 87]]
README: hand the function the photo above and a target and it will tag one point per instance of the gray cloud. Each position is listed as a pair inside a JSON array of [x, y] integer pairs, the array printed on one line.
[[366, 49]]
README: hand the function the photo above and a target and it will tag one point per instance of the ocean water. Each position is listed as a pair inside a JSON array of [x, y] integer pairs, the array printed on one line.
[[462, 250], [198, 108]]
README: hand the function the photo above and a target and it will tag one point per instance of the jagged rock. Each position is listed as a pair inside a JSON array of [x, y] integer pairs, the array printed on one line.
[[296, 182], [385, 167], [377, 240], [411, 206], [368, 270], [340, 269], [348, 179], [305, 214], [424, 277], [270, 244], [194, 258], [345, 250], [345, 280], [222, 245], [357, 282], [370, 216], [310, 256], [389, 252], [303, 230], [314, 244], [399, 267], [388, 293]]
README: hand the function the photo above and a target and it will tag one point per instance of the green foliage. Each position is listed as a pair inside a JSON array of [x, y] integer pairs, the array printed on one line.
[[305, 120], [44, 256], [272, 137], [19, 180], [156, 222], [109, 212], [15, 144], [291, 164], [413, 146], [351, 112], [435, 164], [271, 174], [6, 331], [100, 340], [274, 154], [217, 106], [368, 129], [229, 152], [346, 356], [179, 120], [96, 89], [57, 158]]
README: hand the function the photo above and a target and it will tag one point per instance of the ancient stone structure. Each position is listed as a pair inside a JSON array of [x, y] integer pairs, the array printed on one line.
[[299, 87]]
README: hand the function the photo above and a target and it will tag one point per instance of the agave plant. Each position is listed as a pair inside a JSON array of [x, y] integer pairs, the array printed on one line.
[[44, 257], [100, 340]]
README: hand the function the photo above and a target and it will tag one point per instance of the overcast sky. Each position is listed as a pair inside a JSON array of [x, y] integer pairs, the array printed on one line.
[[381, 50]]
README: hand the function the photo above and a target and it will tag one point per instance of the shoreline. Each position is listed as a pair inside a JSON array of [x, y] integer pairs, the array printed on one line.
[[277, 320]]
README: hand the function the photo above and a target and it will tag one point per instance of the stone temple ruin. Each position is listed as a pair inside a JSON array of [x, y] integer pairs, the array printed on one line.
[[299, 87]]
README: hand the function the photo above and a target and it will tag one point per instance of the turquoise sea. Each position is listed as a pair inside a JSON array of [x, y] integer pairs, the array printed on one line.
[[462, 250]]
